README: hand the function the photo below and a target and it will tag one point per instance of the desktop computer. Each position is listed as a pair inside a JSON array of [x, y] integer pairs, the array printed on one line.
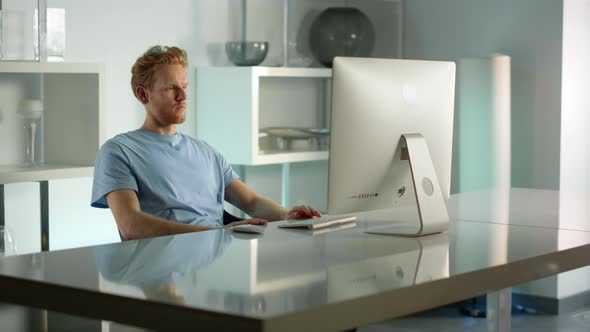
[[391, 142]]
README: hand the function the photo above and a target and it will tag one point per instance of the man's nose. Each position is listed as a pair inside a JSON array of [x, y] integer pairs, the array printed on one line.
[[181, 95]]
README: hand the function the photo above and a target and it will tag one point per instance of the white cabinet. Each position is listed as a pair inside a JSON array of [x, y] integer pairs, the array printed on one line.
[[71, 132], [72, 129], [237, 108]]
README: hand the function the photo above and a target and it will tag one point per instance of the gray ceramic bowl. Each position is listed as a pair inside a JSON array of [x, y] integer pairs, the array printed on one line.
[[246, 53]]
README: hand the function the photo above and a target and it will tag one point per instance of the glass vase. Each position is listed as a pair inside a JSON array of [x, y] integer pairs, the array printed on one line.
[[22, 29], [31, 110], [253, 23]]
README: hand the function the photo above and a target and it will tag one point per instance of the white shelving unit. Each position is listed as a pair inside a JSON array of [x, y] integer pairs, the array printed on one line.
[[13, 174], [232, 104], [235, 103], [73, 98], [70, 130]]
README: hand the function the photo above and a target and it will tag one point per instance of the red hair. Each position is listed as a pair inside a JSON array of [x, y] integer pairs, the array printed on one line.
[[142, 72]]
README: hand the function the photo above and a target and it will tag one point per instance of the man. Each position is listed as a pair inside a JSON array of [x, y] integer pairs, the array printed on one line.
[[159, 182]]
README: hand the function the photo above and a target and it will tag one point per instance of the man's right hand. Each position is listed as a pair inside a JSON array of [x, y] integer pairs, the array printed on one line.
[[247, 221]]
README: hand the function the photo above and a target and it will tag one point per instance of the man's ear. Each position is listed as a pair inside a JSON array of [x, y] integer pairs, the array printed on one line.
[[142, 94]]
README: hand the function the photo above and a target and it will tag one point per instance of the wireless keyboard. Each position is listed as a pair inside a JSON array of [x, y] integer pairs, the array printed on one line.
[[317, 223]]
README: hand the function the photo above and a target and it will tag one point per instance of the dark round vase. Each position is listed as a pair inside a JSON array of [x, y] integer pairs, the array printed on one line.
[[341, 31]]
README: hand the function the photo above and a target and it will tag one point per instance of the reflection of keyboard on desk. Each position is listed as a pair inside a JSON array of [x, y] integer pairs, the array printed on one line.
[[317, 223]]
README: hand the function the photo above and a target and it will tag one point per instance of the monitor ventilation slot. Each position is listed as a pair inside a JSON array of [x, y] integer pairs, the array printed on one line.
[[365, 195]]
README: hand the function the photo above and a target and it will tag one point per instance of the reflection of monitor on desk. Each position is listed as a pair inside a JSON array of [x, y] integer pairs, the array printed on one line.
[[418, 260], [391, 141]]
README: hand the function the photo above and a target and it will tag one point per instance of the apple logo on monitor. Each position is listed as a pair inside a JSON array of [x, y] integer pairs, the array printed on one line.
[[409, 93]]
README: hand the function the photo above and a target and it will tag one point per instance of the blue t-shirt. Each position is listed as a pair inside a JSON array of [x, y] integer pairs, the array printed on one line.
[[176, 177]]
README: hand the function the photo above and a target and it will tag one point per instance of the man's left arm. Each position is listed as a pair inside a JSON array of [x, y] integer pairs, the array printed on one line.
[[257, 206]]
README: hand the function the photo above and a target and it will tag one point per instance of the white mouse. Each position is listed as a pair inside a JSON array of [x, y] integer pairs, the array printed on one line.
[[248, 228]]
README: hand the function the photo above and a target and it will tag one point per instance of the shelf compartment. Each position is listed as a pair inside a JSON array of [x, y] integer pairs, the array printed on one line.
[[235, 103], [72, 129]]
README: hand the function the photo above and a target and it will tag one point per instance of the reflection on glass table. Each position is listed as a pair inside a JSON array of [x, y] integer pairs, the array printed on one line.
[[155, 266], [427, 259], [218, 270]]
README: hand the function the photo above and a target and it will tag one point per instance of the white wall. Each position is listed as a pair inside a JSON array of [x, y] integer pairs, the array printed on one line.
[[529, 31], [575, 116], [116, 33], [575, 155]]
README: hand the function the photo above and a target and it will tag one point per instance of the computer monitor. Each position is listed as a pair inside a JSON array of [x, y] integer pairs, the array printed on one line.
[[391, 141]]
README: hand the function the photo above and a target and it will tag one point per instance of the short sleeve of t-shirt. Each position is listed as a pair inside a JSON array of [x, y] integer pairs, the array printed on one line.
[[111, 172], [229, 175]]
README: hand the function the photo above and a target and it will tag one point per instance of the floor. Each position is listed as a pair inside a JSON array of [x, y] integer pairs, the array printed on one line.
[[448, 319]]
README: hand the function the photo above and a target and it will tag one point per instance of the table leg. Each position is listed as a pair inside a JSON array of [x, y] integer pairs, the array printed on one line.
[[36, 320], [499, 307], [2, 212], [44, 196]]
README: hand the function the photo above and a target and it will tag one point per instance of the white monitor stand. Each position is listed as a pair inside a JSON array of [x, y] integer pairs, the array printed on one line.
[[432, 209]]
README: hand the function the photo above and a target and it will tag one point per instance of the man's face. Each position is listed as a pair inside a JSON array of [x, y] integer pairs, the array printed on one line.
[[166, 102]]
